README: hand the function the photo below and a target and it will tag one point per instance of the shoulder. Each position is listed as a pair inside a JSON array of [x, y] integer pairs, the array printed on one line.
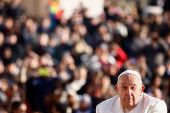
[[155, 104], [107, 104], [151, 99]]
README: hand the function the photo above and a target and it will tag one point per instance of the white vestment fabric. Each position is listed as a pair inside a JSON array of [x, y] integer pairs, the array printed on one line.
[[147, 104]]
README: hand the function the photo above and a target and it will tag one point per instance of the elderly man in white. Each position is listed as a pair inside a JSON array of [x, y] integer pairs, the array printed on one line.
[[130, 98]]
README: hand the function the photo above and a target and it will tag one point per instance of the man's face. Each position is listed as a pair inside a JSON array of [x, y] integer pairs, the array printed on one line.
[[129, 89]]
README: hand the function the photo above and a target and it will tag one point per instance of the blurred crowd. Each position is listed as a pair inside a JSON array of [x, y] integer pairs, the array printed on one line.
[[72, 65]]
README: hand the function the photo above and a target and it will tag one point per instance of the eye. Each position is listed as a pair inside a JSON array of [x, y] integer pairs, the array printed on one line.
[[124, 87], [133, 88]]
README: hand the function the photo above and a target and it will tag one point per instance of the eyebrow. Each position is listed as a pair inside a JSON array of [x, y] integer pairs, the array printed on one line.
[[126, 83]]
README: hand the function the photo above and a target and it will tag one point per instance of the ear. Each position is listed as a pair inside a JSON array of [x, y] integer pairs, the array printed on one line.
[[143, 87], [117, 87]]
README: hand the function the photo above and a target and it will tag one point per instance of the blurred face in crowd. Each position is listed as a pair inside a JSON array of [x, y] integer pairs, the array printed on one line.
[[1, 67], [77, 18], [44, 39], [46, 23], [94, 21], [53, 42], [7, 53], [22, 108], [68, 59], [16, 2], [29, 22], [33, 63], [12, 68], [154, 36], [43, 60], [167, 38], [113, 69], [129, 89], [143, 34], [102, 29], [4, 85], [1, 39], [160, 70], [63, 21], [1, 19], [157, 81], [84, 106], [82, 30], [12, 39], [82, 73], [9, 23], [129, 19], [105, 82], [168, 66], [75, 37], [136, 28], [159, 19]]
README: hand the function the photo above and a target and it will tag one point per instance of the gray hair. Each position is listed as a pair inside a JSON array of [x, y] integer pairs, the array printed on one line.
[[130, 72]]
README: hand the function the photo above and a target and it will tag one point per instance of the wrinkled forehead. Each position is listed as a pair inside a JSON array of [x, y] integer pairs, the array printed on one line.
[[129, 79]]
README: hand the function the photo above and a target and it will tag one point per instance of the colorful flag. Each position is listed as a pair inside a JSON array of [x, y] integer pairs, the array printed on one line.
[[54, 8]]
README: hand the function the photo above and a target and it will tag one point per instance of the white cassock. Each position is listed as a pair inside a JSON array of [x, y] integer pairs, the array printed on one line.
[[147, 104]]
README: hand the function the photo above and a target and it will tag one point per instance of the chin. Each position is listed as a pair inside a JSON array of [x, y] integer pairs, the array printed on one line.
[[129, 106]]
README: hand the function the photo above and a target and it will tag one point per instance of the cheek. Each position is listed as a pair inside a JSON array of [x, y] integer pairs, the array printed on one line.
[[122, 94], [137, 96]]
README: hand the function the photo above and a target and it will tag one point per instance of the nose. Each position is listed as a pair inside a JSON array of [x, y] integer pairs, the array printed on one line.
[[128, 91]]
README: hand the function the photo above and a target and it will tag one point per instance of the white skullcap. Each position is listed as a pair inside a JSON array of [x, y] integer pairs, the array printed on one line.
[[129, 72]]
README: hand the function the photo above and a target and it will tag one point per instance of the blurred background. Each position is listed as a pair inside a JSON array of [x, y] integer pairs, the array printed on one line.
[[64, 56]]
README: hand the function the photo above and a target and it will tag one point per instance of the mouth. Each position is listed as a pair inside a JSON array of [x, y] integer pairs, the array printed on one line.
[[129, 99]]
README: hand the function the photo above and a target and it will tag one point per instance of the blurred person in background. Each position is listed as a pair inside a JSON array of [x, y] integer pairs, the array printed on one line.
[[29, 67], [8, 25], [14, 43], [63, 75], [159, 70], [139, 41], [85, 104], [45, 26], [41, 83], [79, 80], [84, 34], [12, 73], [154, 90], [167, 39], [14, 11], [105, 84], [39, 87], [118, 53], [14, 95], [159, 26], [93, 83], [2, 68], [19, 107], [42, 45], [52, 47], [2, 40], [64, 44], [29, 33], [12, 50], [105, 58], [67, 62], [158, 47], [81, 52], [99, 35], [3, 96], [167, 72]]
